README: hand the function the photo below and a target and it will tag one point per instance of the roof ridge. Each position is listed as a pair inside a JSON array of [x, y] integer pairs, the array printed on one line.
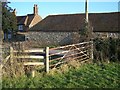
[[84, 13], [71, 22], [31, 14], [22, 16]]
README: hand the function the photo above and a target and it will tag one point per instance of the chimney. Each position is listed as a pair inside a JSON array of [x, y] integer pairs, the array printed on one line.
[[35, 9], [86, 10], [14, 12]]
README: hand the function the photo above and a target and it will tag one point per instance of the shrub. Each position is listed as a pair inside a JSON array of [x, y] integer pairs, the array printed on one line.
[[106, 49]]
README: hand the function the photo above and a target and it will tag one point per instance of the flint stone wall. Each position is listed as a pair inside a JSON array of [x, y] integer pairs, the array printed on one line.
[[53, 38]]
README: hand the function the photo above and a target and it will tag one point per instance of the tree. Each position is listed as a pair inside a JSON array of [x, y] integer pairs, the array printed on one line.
[[9, 21], [86, 33]]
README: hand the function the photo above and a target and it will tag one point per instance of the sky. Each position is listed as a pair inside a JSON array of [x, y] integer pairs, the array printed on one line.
[[53, 8]]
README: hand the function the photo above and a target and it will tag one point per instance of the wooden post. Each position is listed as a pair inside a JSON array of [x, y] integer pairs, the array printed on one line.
[[33, 73], [11, 55], [47, 59], [92, 50]]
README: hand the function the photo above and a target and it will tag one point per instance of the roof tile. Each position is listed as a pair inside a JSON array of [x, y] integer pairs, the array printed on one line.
[[101, 22]]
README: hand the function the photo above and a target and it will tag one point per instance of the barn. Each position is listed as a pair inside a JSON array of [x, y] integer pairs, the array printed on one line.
[[64, 29]]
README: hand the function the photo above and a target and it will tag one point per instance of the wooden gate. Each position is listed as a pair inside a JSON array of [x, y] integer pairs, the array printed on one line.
[[53, 57], [81, 51]]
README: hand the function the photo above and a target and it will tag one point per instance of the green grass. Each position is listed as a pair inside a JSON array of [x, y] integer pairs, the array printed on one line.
[[85, 76]]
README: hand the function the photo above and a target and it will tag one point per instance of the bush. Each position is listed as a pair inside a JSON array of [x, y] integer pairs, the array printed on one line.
[[107, 49]]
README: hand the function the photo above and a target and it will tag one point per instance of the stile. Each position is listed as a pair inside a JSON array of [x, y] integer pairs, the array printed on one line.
[[23, 56]]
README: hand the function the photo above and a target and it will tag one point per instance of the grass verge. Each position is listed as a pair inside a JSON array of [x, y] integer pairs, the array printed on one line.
[[84, 76]]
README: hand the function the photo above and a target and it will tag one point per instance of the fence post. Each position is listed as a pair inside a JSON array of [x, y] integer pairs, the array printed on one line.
[[11, 54], [92, 50], [33, 73], [47, 59]]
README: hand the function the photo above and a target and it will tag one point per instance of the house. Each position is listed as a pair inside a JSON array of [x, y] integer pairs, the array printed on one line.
[[26, 22], [64, 29]]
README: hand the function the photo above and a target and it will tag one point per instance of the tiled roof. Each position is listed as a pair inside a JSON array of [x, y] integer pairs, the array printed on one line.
[[21, 19], [26, 20], [101, 22], [30, 18]]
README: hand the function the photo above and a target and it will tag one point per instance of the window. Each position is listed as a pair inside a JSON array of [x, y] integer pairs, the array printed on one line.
[[20, 27]]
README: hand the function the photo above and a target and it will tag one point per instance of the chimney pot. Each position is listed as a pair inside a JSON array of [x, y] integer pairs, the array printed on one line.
[[35, 9]]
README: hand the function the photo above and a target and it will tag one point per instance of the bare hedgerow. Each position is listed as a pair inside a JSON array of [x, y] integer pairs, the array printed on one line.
[[12, 67]]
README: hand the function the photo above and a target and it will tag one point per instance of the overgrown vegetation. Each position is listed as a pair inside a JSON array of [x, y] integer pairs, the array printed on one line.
[[86, 34], [71, 76], [107, 49]]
